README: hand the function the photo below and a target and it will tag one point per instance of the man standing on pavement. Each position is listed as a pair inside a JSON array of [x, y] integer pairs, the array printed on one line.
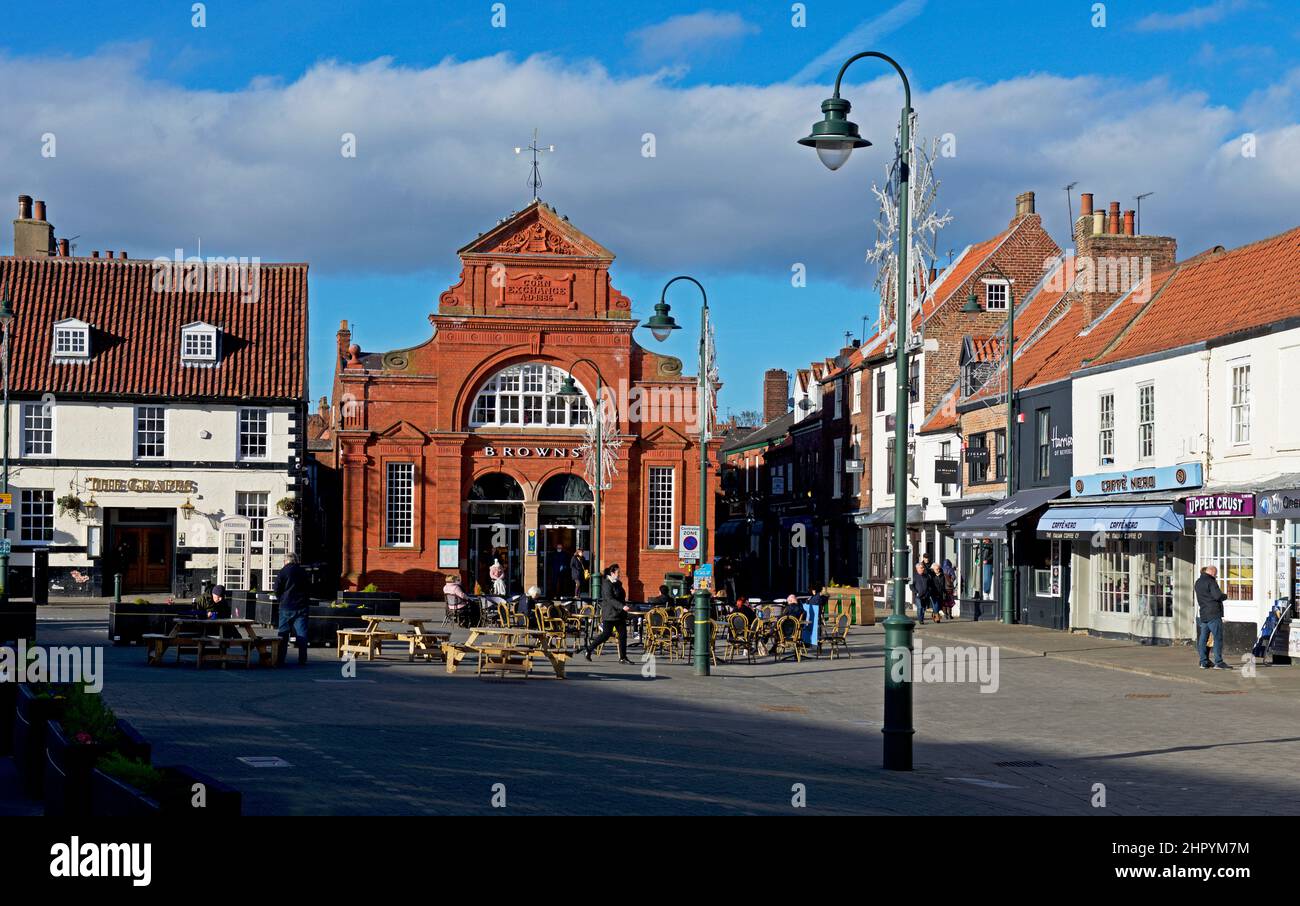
[[1209, 599], [291, 590]]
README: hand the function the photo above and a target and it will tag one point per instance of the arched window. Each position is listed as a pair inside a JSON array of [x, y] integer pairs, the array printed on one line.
[[496, 486], [565, 489], [526, 396]]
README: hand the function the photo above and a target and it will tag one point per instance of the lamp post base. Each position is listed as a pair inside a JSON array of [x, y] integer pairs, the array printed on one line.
[[898, 728]]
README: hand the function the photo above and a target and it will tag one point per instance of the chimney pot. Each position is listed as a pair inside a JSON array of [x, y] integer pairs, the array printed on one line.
[[24, 207], [1112, 225], [63, 248], [95, 253], [1085, 204], [124, 254], [1129, 217], [1098, 222], [934, 275], [108, 254], [39, 211]]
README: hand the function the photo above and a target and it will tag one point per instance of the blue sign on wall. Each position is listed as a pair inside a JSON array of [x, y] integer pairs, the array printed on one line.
[[1162, 478]]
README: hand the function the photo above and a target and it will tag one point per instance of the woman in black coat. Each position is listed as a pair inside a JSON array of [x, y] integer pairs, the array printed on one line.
[[613, 614]]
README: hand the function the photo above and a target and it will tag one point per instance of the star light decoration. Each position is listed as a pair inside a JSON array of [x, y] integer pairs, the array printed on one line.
[[603, 414], [923, 228]]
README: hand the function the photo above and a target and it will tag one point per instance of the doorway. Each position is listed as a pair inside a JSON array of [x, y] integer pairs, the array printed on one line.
[[494, 541], [560, 542], [143, 557]]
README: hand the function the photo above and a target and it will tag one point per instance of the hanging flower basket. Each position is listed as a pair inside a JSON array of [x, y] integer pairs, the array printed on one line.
[[70, 503], [287, 506]]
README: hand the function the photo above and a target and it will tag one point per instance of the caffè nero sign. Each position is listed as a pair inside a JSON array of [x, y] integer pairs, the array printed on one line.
[[141, 486]]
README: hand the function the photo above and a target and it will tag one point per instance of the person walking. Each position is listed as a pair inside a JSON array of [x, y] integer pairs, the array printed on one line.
[[292, 584], [1209, 599], [920, 591], [938, 593], [949, 587], [613, 614]]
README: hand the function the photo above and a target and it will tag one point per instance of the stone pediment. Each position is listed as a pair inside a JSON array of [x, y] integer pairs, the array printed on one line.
[[666, 436], [536, 231], [403, 432]]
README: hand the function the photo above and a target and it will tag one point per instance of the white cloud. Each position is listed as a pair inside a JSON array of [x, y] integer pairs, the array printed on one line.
[[686, 34], [146, 166], [1196, 17]]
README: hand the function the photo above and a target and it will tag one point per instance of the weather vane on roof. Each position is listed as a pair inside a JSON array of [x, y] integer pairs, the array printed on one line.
[[535, 178]]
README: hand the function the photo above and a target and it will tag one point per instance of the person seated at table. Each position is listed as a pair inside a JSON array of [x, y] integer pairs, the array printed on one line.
[[792, 608], [457, 601], [524, 604], [743, 606], [217, 601], [663, 599]]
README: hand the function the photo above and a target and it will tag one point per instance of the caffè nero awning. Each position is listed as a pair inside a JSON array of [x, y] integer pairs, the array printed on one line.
[[1123, 521], [993, 522]]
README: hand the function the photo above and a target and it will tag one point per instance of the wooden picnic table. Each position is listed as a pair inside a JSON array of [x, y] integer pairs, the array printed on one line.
[[505, 650], [382, 628], [212, 640]]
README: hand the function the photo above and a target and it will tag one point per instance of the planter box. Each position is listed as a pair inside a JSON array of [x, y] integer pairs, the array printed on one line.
[[128, 621], [266, 610], [17, 621], [68, 767], [384, 602], [113, 798], [849, 600], [30, 718]]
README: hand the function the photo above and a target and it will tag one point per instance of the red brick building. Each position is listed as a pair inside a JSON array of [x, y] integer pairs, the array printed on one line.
[[458, 449]]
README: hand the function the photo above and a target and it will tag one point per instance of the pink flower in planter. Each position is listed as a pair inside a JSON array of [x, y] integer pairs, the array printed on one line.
[[83, 739]]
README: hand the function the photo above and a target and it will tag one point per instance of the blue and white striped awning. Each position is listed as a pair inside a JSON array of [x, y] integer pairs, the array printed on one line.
[[1131, 521]]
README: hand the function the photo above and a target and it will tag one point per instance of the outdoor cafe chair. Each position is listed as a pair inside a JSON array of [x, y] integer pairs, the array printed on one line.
[[738, 637], [836, 635], [789, 637]]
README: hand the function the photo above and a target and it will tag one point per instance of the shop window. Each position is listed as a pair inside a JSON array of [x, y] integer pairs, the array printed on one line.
[[979, 463], [1229, 545], [1113, 577], [1157, 579]]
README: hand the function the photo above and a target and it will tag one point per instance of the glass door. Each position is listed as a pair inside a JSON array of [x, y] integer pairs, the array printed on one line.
[[494, 542]]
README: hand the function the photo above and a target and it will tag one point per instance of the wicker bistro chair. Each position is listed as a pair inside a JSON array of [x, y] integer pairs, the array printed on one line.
[[836, 635], [789, 637], [739, 638], [657, 633], [490, 611]]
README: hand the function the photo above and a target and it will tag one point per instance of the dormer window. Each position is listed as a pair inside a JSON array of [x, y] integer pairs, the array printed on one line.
[[199, 344], [71, 341]]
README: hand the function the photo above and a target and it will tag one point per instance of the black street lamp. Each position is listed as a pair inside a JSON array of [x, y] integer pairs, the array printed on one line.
[[971, 307], [569, 389], [835, 137], [661, 324]]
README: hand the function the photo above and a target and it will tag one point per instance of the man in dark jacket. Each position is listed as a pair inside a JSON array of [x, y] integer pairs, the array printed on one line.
[[292, 586], [920, 590], [1209, 599], [613, 614]]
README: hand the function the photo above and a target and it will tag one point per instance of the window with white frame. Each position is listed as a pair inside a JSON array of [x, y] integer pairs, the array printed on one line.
[[1106, 428], [253, 505], [837, 388], [837, 466], [659, 532], [1229, 546], [1146, 421], [38, 429], [1239, 417], [1156, 579], [36, 515], [856, 398], [198, 343], [1113, 577], [399, 504], [71, 340], [528, 395], [253, 433], [945, 452], [995, 295], [150, 432]]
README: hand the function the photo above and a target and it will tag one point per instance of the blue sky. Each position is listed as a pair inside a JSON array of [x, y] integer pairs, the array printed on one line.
[[228, 134]]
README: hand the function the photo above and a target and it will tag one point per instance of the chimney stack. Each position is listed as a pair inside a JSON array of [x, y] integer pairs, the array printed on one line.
[[1115, 256], [33, 235], [776, 394], [1024, 204]]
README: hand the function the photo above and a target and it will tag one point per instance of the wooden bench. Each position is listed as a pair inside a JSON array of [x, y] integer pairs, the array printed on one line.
[[362, 641], [504, 659], [427, 645]]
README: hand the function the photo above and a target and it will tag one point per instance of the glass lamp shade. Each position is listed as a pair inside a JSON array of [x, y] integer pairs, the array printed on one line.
[[834, 154]]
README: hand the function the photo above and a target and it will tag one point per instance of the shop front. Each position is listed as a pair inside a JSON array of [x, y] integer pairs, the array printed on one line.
[[978, 561], [1131, 555]]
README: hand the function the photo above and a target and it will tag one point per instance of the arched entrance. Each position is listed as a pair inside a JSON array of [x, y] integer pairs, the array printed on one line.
[[564, 526], [496, 513]]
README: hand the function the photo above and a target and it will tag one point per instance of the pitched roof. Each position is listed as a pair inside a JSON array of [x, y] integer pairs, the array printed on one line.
[[136, 330], [776, 428], [1215, 294]]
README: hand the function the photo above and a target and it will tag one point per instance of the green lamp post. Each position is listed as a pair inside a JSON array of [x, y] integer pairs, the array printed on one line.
[[834, 138], [971, 307], [661, 324], [6, 322], [569, 388]]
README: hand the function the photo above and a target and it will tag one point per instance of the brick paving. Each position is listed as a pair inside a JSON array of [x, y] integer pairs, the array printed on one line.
[[409, 739]]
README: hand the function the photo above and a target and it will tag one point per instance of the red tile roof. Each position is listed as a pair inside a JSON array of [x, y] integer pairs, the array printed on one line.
[[136, 331], [1216, 294]]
